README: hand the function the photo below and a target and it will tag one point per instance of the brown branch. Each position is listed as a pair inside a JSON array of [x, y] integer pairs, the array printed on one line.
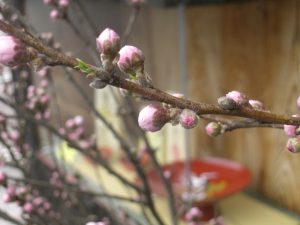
[[148, 93]]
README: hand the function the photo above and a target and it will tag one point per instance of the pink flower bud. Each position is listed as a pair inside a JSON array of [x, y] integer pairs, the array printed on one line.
[[108, 43], [48, 2], [257, 105], [7, 198], [70, 123], [44, 83], [213, 129], [55, 14], [47, 115], [27, 207], [11, 190], [63, 3], [78, 120], [293, 145], [193, 213], [238, 97], [13, 52], [62, 131], [131, 59], [14, 135], [188, 119], [38, 201], [153, 117], [44, 99], [290, 130]]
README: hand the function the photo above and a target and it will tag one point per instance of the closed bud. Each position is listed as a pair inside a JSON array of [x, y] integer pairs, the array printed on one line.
[[293, 145], [27, 207], [238, 97], [290, 130], [108, 43], [13, 52], [131, 59], [63, 3], [153, 117], [213, 129], [227, 103], [188, 119], [55, 14]]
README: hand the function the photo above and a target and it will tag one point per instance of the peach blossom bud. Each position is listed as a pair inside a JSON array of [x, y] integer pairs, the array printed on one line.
[[213, 129], [70, 123], [48, 2], [108, 43], [131, 59], [47, 115], [11, 190], [188, 119], [153, 117], [290, 130], [78, 120], [293, 145], [55, 14], [13, 52], [27, 207], [167, 174], [193, 213], [44, 99], [227, 103], [62, 131], [238, 97], [44, 83], [7, 198], [257, 105], [38, 201], [63, 3]]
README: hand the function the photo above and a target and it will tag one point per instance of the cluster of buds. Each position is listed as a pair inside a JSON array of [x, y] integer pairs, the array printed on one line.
[[293, 132], [235, 99], [154, 116], [38, 101], [75, 131], [30, 202], [13, 52], [129, 59], [60, 8]]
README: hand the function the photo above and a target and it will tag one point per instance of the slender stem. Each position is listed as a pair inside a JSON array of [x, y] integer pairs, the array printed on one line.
[[125, 147]]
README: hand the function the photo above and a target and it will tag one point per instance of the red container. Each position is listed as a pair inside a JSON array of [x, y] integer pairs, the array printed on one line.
[[226, 178]]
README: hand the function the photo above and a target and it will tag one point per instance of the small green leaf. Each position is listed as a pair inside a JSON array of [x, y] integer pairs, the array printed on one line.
[[83, 67]]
